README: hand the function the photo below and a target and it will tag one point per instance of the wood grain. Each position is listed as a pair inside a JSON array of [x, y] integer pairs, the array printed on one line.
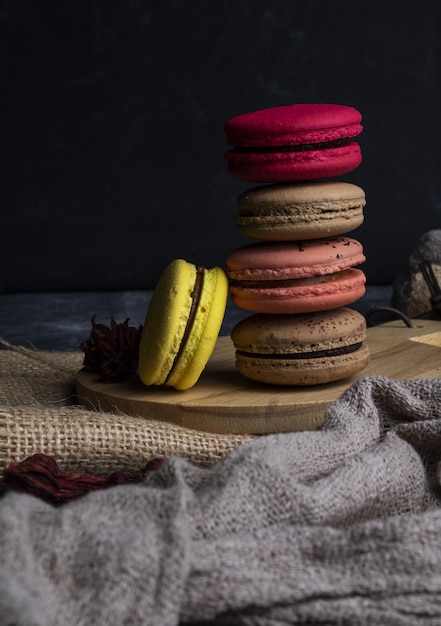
[[223, 401]]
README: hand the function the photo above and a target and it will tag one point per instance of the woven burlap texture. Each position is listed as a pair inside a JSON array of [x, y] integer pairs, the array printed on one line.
[[38, 413], [339, 526]]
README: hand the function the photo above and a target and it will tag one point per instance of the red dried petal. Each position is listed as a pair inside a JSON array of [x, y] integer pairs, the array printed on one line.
[[41, 476], [113, 352], [152, 466]]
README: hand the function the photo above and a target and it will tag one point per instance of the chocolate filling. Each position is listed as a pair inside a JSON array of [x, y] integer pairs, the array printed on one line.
[[195, 298], [319, 354], [320, 145]]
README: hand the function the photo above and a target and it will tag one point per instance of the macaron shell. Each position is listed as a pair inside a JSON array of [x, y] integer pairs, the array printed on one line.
[[204, 333], [303, 372], [337, 291], [305, 333], [296, 211], [294, 124], [287, 260], [166, 321], [279, 167]]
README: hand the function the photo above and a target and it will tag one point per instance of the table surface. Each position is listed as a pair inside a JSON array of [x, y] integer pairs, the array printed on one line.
[[61, 320]]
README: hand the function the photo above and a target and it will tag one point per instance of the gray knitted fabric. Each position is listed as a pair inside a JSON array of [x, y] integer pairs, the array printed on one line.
[[337, 526]]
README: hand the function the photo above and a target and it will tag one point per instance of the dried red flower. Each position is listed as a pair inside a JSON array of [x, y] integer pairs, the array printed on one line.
[[41, 476], [112, 352]]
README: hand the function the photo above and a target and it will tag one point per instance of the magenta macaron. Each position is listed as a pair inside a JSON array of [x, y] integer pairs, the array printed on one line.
[[293, 143]]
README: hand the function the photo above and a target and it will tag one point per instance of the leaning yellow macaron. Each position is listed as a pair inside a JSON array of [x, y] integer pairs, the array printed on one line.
[[182, 324]]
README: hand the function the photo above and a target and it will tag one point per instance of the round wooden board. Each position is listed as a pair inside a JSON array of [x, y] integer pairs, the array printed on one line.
[[223, 401]]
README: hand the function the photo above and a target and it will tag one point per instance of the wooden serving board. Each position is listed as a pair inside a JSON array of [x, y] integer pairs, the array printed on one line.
[[223, 401]]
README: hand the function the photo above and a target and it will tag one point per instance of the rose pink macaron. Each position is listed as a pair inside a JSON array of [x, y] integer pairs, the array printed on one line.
[[296, 277], [294, 142]]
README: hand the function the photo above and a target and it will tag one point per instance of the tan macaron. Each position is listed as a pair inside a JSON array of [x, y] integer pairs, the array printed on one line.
[[303, 349], [296, 211]]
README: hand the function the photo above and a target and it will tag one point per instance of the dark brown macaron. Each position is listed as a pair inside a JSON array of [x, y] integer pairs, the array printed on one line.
[[302, 349]]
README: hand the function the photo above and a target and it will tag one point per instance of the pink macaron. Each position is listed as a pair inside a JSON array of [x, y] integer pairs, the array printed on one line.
[[294, 142], [296, 277]]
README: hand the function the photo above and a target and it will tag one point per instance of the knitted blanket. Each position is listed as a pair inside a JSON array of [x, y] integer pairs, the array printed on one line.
[[336, 526]]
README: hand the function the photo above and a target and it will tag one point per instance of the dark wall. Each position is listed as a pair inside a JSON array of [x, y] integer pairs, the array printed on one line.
[[113, 155]]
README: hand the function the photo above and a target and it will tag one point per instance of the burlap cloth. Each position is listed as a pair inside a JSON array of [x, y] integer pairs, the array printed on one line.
[[337, 526], [39, 413]]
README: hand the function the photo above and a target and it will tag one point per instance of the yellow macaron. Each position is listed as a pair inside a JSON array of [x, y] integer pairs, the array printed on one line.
[[182, 324]]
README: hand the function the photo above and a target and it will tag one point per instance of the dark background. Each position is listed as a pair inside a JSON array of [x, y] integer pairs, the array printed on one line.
[[113, 146]]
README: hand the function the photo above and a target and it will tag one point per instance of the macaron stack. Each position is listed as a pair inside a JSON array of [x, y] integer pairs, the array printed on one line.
[[300, 274]]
